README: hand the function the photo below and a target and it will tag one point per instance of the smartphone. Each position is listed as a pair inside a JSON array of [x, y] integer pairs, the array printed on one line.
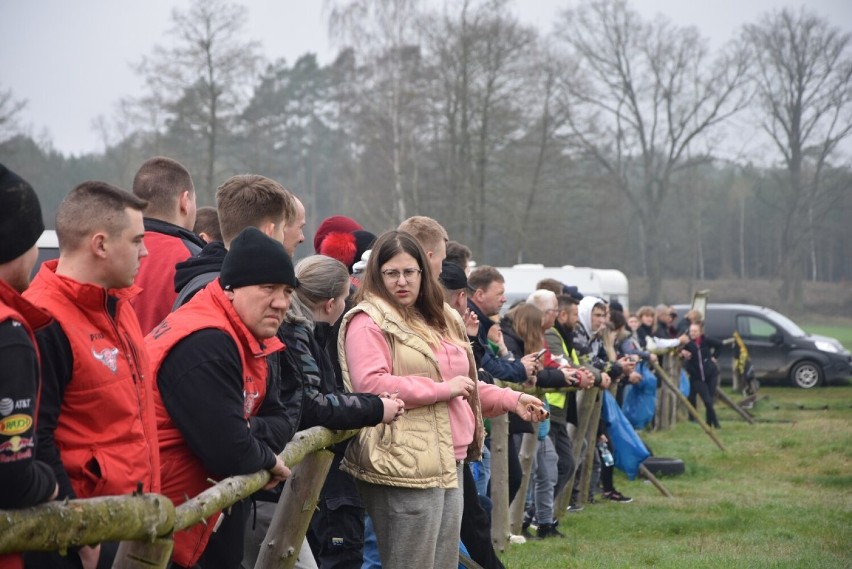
[[540, 353]]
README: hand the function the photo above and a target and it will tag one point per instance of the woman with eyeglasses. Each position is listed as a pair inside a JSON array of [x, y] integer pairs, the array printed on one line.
[[402, 339]]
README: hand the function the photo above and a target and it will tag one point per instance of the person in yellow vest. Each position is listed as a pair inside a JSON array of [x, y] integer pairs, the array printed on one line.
[[563, 406]]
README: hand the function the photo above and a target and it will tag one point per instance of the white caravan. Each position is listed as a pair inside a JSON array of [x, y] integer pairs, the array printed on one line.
[[608, 284]]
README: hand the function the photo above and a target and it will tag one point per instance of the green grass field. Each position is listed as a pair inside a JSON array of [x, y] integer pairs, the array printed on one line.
[[781, 496]]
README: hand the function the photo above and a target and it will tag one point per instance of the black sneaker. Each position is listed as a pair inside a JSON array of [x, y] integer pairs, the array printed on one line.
[[575, 508], [548, 530], [616, 496]]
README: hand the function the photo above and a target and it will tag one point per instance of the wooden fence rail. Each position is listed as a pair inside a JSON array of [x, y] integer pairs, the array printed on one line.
[[145, 523], [57, 526]]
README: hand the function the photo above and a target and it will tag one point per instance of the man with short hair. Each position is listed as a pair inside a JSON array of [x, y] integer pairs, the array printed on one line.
[[485, 301], [431, 236], [218, 409], [242, 201], [24, 481], [460, 255], [97, 427], [169, 219], [563, 406], [207, 224], [547, 457], [456, 288], [294, 225]]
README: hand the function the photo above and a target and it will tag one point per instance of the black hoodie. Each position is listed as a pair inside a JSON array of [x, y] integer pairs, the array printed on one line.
[[197, 271]]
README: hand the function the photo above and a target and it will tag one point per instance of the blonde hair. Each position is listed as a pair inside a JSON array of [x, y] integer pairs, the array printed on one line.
[[320, 278], [428, 232], [526, 321]]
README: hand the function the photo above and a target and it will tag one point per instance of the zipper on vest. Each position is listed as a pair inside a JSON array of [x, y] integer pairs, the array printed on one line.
[[132, 357]]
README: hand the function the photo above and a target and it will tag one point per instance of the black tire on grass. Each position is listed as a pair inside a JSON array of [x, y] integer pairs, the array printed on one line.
[[661, 466]]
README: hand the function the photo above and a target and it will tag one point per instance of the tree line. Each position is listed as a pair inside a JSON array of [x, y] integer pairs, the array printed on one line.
[[599, 144]]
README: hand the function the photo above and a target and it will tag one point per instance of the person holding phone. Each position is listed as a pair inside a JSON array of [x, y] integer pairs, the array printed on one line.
[[523, 331]]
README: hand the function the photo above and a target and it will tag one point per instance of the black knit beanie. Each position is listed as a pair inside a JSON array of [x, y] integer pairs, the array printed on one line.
[[21, 223], [255, 259]]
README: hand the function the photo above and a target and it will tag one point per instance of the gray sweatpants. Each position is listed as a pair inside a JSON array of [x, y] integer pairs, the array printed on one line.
[[415, 527], [544, 477]]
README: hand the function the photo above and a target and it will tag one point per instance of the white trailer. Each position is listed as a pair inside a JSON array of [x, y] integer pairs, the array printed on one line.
[[608, 284]]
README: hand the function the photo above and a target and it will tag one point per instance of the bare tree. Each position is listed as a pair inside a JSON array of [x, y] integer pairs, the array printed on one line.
[[204, 76], [482, 57], [384, 34], [803, 79], [10, 109], [639, 97]]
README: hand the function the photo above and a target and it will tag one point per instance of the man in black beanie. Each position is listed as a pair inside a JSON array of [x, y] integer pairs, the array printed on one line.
[[219, 410], [24, 481]]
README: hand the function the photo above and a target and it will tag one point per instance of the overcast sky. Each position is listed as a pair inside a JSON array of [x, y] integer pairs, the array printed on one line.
[[70, 59]]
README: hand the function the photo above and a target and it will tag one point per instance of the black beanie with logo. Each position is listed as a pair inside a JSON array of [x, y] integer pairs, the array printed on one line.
[[256, 259], [21, 223]]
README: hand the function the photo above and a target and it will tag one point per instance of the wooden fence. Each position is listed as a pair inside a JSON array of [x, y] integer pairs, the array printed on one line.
[[145, 523]]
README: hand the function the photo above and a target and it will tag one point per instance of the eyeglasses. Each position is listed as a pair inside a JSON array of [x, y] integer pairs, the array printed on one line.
[[410, 275]]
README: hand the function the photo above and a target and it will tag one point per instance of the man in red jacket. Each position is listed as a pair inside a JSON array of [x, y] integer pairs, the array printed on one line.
[[24, 481], [218, 413], [169, 218], [97, 426]]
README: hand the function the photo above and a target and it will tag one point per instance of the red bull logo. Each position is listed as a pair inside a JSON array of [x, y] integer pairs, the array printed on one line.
[[16, 444], [15, 424]]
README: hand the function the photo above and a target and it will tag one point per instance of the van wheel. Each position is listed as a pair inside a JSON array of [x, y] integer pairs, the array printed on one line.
[[806, 374]]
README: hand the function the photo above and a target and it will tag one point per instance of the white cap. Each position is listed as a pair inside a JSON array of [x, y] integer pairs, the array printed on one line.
[[362, 264]]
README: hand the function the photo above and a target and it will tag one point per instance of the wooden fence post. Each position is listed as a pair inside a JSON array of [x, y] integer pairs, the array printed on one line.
[[283, 541], [733, 405], [667, 382], [585, 407], [529, 445], [591, 441], [144, 555], [666, 414], [499, 482]]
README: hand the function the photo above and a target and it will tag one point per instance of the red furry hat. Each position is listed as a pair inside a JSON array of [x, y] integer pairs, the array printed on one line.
[[334, 224], [346, 247]]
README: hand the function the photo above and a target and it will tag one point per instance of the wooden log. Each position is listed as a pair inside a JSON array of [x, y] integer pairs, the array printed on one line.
[[56, 526], [733, 405], [591, 442], [233, 489], [585, 408], [499, 482], [144, 555], [667, 382], [643, 470], [467, 562], [529, 444], [280, 547]]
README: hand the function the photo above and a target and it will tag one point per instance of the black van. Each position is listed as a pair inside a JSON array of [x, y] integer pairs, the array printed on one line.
[[779, 349]]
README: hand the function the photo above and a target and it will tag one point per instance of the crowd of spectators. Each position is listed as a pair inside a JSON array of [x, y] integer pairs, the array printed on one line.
[[171, 345]]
